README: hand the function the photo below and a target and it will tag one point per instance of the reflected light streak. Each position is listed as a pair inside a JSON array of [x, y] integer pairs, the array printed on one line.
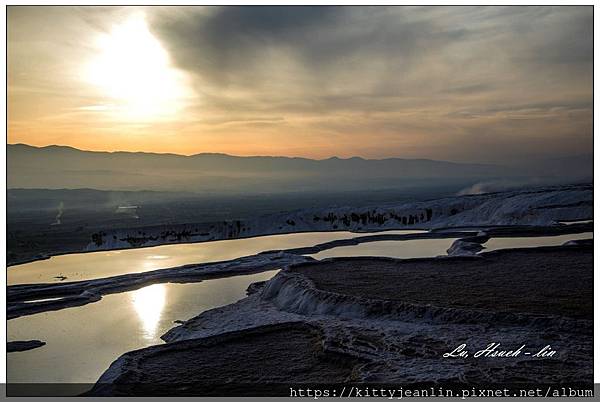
[[149, 303]]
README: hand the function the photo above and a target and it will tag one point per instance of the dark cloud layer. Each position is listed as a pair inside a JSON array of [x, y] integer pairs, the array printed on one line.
[[445, 75]]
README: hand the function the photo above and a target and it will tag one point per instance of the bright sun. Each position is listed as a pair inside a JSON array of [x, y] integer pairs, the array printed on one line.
[[133, 71]]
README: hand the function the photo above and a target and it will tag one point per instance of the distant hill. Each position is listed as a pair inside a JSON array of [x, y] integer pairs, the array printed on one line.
[[56, 167]]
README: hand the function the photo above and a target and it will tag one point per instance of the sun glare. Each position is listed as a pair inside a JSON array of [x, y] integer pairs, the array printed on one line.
[[134, 73]]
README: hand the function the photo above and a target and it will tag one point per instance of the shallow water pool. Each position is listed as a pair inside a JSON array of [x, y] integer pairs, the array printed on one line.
[[435, 247], [81, 342], [497, 243], [102, 264], [390, 248]]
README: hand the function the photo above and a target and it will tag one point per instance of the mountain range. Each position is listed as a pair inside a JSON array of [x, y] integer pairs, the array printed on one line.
[[55, 167]]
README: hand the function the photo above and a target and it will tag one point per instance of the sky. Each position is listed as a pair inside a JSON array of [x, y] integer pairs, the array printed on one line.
[[466, 84]]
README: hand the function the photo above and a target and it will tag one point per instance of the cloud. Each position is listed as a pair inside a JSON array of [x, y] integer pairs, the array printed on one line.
[[459, 83], [319, 56], [315, 46]]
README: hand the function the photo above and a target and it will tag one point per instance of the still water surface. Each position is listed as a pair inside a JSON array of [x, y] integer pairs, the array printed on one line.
[[390, 248], [81, 342], [497, 243], [102, 264], [434, 247]]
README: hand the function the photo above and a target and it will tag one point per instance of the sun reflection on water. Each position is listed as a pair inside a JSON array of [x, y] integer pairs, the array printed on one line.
[[158, 257], [149, 303]]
